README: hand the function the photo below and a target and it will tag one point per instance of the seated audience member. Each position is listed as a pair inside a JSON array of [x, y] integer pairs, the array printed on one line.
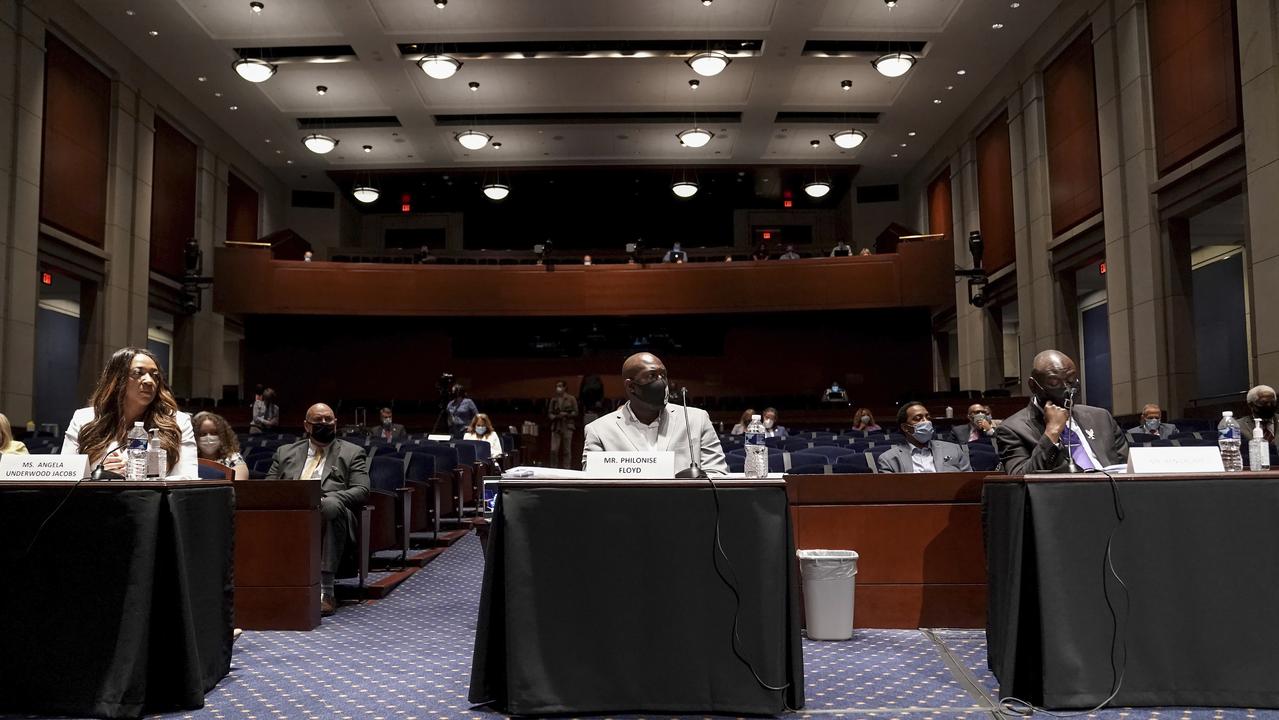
[[132, 389], [462, 411], [586, 259], [9, 446], [841, 250], [647, 422], [771, 427], [728, 258], [424, 256], [864, 421], [921, 453], [266, 414], [1036, 438], [343, 471], [675, 255], [740, 427], [834, 393], [790, 254], [215, 440], [1152, 423], [865, 252], [481, 428], [388, 429], [980, 425], [1261, 404], [761, 252]]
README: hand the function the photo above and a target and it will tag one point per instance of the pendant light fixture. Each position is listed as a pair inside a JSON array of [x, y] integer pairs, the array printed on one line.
[[497, 190], [695, 137], [709, 63], [319, 143], [473, 139], [365, 193], [893, 65], [817, 189], [255, 70], [684, 188], [440, 67], [848, 139]]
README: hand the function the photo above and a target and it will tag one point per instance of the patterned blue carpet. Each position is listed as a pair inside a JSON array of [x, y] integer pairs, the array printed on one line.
[[409, 656]]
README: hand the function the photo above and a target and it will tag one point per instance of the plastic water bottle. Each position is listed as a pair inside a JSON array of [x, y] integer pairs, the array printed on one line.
[[1228, 442], [157, 459], [136, 453], [756, 450], [1258, 449]]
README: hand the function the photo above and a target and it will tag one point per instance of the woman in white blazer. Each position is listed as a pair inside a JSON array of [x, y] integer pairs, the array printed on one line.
[[132, 388]]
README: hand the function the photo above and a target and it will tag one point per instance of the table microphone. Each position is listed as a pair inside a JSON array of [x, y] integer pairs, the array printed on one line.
[[1069, 403], [694, 470]]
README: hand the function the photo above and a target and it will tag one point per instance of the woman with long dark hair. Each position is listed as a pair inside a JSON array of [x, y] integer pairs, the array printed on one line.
[[132, 389]]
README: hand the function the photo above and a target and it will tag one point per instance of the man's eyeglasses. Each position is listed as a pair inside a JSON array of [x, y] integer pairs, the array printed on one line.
[[138, 373]]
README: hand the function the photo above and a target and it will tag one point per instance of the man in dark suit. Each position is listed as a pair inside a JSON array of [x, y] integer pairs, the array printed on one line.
[[343, 471], [1038, 439], [921, 453], [980, 426], [1152, 423], [389, 430], [1261, 404]]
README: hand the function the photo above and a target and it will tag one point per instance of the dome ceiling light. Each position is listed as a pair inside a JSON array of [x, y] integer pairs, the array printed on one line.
[[254, 70], [894, 65], [365, 193], [440, 67], [319, 144], [709, 64], [817, 189], [695, 137], [473, 139], [497, 191], [684, 188], [848, 139]]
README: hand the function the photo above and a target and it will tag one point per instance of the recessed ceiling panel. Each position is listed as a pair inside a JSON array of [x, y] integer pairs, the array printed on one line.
[[401, 17], [350, 89], [223, 19], [874, 15], [591, 143], [794, 143], [817, 84]]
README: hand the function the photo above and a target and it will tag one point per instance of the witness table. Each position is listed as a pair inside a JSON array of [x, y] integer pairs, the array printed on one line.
[[123, 602], [606, 596], [1198, 554]]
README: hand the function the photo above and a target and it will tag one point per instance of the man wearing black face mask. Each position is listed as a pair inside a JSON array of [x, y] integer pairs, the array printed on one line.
[[343, 471], [647, 423], [389, 430], [1038, 438], [921, 453], [1261, 405]]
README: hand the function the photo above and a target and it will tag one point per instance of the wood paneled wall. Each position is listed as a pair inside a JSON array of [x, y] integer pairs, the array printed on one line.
[[172, 198], [77, 128], [940, 218], [1194, 77], [241, 210], [1074, 155], [995, 194]]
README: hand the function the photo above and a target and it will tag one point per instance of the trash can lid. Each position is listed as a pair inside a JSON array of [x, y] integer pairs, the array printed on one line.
[[826, 554]]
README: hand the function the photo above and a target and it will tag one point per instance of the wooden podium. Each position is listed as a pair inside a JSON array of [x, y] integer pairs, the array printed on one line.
[[277, 554]]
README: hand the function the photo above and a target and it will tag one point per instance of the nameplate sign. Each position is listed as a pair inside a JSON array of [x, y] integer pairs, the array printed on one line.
[[641, 465], [1148, 460], [40, 468]]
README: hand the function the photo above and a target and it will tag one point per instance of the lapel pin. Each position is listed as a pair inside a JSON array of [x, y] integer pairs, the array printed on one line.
[[1091, 435]]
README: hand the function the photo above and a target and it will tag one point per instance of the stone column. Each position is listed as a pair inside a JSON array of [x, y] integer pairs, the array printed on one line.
[[980, 336], [198, 338], [1259, 74], [21, 135]]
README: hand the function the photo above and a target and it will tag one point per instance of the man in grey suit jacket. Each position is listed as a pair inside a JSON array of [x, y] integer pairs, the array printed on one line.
[[921, 453], [1152, 423], [343, 471], [388, 430], [647, 423], [1036, 438]]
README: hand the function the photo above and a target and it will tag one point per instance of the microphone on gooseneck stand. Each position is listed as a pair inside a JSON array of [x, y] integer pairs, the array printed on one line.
[[694, 469], [1069, 404]]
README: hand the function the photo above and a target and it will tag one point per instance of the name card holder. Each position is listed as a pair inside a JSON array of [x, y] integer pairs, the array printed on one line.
[[657, 465], [1165, 460], [43, 468]]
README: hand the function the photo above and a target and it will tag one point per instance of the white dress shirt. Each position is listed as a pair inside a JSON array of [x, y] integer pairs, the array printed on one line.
[[648, 431], [922, 459], [187, 467]]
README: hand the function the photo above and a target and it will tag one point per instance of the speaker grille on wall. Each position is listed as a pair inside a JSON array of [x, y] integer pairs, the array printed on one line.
[[876, 194], [313, 199]]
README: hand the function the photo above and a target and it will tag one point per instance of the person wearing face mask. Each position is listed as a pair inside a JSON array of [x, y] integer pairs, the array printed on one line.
[[562, 410], [922, 452], [1152, 424], [864, 421], [1261, 404], [215, 441], [462, 410], [675, 255], [980, 426], [388, 429], [773, 429], [1038, 438], [481, 428], [646, 422], [343, 471], [790, 254]]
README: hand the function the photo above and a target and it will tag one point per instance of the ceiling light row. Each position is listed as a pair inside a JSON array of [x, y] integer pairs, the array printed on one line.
[[493, 191]]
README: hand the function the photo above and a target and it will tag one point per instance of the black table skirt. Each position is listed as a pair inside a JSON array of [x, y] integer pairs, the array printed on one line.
[[124, 602], [606, 600], [1201, 562]]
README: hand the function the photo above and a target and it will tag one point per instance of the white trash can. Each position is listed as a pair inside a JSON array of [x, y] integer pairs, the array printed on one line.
[[829, 578]]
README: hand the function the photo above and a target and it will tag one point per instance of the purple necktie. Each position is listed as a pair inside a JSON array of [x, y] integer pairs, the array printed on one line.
[[1077, 451]]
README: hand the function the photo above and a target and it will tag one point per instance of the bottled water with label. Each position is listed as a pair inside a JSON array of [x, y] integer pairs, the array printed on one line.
[[136, 453], [1228, 442], [756, 450], [1258, 449]]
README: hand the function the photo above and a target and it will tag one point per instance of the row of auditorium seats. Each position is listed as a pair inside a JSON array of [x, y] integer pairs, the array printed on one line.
[[832, 459]]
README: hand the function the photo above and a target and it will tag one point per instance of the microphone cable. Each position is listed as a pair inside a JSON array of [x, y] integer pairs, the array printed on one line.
[[1012, 707], [49, 517]]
